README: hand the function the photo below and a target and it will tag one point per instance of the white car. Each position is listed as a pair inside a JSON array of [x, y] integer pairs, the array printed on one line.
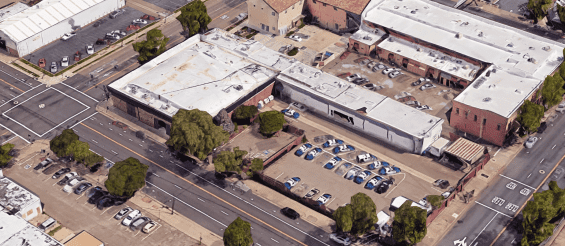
[[241, 16], [394, 74], [54, 67], [531, 141], [353, 77], [90, 49], [67, 36], [323, 199], [119, 32], [65, 61], [343, 240], [139, 21], [291, 182], [295, 38], [424, 107], [131, 217], [371, 64], [298, 106], [388, 70]]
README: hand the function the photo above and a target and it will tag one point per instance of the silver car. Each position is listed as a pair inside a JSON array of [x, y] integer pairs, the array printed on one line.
[[54, 67], [90, 49], [531, 141], [65, 61]]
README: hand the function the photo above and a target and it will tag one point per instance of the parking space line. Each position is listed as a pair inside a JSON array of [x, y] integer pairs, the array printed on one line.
[[80, 196], [396, 185], [137, 233], [28, 159], [105, 210], [8, 140], [518, 182], [152, 231]]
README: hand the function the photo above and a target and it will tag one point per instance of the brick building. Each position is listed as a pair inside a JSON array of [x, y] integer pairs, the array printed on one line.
[[337, 15], [204, 72], [498, 66], [274, 16]]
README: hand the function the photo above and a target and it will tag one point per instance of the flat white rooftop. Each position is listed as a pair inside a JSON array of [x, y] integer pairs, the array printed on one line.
[[509, 48], [501, 92], [368, 37], [14, 230], [376, 106], [194, 74], [15, 196]]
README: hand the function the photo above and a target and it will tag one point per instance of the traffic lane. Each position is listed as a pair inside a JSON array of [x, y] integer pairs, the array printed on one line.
[[231, 17], [217, 8], [17, 78]]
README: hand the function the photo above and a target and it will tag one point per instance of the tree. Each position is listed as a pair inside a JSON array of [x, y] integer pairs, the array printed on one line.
[[5, 156], [60, 143], [238, 233], [126, 177], [257, 164], [530, 116], [193, 133], [435, 200], [244, 113], [228, 161], [538, 213], [194, 17], [552, 90], [270, 122], [82, 154], [409, 224], [154, 45], [539, 7], [358, 217]]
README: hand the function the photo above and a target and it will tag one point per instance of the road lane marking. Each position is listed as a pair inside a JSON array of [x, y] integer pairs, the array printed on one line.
[[13, 86], [228, 11], [483, 229], [541, 160], [84, 120], [553, 146], [517, 181], [109, 77], [213, 195], [275, 240], [178, 187], [20, 95], [80, 92], [8, 140], [224, 212], [493, 209], [200, 199]]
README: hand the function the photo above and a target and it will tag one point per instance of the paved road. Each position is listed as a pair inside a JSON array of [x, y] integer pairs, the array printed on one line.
[[509, 191]]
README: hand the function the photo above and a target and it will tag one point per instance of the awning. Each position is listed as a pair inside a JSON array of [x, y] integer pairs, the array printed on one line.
[[466, 150]]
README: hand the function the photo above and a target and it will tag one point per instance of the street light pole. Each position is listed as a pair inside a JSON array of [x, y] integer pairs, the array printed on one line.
[[173, 207]]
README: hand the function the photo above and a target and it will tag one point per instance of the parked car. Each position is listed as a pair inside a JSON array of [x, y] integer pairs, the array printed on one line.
[[332, 163], [377, 164], [43, 164], [313, 153], [295, 38], [67, 36], [373, 87], [343, 240], [531, 141], [139, 222], [96, 196], [383, 186], [364, 62], [105, 202], [286, 48], [300, 151], [420, 81], [389, 170], [119, 32], [542, 127], [372, 64], [388, 70], [290, 113], [352, 77], [365, 158], [60, 172], [311, 193], [373, 182], [54, 67], [394, 74], [379, 67], [352, 173], [69, 187], [139, 21], [441, 183], [149, 227], [298, 106], [67, 177], [424, 107], [241, 16], [41, 62], [131, 217], [427, 86], [82, 187], [65, 61], [360, 81], [90, 49], [123, 213], [343, 148], [332, 142], [115, 14], [113, 36], [291, 182], [93, 191], [362, 176], [340, 171], [289, 212], [101, 41], [323, 199]]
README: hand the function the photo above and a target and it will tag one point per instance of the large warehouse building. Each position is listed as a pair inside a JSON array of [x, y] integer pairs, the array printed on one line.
[[34, 27]]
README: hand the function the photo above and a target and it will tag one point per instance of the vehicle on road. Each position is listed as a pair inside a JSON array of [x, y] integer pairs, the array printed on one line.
[[131, 217], [67, 36], [289, 212], [531, 141], [90, 49], [115, 14], [377, 164], [139, 21], [394, 74], [323, 199], [290, 113], [313, 153], [241, 16], [65, 61], [365, 158], [82, 187], [123, 213], [43, 164], [291, 182], [67, 177], [362, 176], [332, 163], [149, 227], [427, 86], [300, 151], [343, 148], [373, 182], [54, 67], [389, 170], [352, 77], [352, 173], [60, 172], [332, 142], [312, 193], [295, 38], [388, 70], [343, 240]]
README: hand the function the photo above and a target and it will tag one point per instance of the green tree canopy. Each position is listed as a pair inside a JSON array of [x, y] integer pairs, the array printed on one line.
[[358, 217], [270, 122], [227, 161], [409, 224], [257, 164], [60, 143], [154, 45], [126, 177], [238, 233], [530, 116], [539, 7], [546, 206], [435, 200], [193, 133], [194, 17], [244, 112], [82, 154], [552, 90], [5, 156]]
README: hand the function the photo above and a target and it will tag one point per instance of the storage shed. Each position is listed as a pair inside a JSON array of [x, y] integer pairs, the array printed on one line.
[[437, 148]]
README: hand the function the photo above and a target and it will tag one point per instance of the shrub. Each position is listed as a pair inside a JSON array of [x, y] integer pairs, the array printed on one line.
[[270, 122], [293, 52], [304, 139]]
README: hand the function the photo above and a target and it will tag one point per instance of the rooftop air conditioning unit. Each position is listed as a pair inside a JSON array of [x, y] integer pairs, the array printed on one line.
[[458, 35], [419, 49], [367, 38], [546, 48]]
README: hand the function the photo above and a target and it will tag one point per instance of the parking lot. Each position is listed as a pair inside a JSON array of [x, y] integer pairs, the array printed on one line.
[[87, 35], [75, 213]]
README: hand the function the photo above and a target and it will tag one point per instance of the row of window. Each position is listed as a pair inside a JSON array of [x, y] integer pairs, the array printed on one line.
[[498, 126], [324, 4]]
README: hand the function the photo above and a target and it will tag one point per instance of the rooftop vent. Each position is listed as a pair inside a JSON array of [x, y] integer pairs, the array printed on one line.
[[390, 39], [317, 74], [465, 23], [487, 74], [396, 7], [459, 61], [458, 35], [398, 51], [518, 91], [238, 87], [419, 49], [466, 66], [479, 82], [493, 70], [510, 45], [480, 34], [367, 38], [532, 60], [532, 48], [487, 99], [413, 11], [546, 48], [492, 86]]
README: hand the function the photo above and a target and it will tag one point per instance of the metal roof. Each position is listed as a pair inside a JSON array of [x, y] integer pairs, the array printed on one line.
[[466, 150], [47, 13]]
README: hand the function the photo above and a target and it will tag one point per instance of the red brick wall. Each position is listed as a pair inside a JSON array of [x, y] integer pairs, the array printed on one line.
[[413, 66], [327, 16], [363, 49], [121, 105], [259, 97], [488, 131]]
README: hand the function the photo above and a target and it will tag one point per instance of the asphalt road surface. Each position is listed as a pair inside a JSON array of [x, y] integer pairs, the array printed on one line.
[[508, 192]]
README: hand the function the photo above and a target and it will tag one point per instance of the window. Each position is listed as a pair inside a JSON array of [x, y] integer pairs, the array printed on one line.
[[293, 6], [286, 11], [484, 121], [457, 111], [475, 117], [253, 5], [324, 4], [336, 26], [498, 127], [466, 114], [335, 8], [314, 1], [273, 13], [274, 29]]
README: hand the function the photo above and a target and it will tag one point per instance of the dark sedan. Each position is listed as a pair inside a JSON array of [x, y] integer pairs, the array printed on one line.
[[289, 212], [81, 188], [60, 172]]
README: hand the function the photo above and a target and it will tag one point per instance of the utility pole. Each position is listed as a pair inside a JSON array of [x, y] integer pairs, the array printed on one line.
[[173, 207]]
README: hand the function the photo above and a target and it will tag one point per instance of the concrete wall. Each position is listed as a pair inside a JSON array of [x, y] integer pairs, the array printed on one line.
[[260, 14], [328, 16]]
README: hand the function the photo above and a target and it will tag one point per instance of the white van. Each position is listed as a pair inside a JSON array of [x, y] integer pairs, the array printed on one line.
[[69, 187], [47, 224], [398, 201]]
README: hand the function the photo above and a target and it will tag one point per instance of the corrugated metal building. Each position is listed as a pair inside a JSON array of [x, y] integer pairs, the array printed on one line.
[[31, 29]]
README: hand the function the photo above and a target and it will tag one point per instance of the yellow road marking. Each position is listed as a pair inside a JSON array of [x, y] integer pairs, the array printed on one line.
[[12, 86]]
